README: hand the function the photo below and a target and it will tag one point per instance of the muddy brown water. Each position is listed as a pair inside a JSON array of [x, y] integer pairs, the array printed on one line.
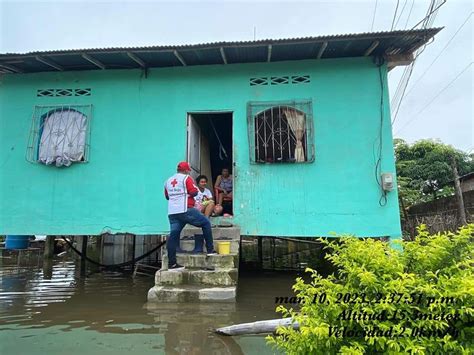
[[50, 309]]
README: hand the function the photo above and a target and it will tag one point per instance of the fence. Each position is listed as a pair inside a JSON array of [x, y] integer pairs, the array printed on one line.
[[439, 215]]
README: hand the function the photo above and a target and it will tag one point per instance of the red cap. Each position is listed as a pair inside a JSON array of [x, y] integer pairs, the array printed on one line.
[[184, 166]]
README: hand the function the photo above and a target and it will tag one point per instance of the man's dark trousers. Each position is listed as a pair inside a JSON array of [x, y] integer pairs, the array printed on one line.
[[178, 221]]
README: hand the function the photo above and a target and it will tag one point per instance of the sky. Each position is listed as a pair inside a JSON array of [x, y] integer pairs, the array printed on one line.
[[438, 103]]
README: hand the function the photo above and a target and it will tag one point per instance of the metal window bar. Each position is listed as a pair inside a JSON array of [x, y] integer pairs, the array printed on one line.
[[309, 136], [288, 136], [281, 142], [270, 135], [38, 121], [265, 137], [251, 130]]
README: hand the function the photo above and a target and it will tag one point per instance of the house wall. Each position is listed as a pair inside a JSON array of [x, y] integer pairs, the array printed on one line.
[[138, 134], [467, 184]]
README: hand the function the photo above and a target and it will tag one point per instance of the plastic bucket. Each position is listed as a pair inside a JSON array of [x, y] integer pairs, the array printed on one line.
[[17, 242], [223, 248]]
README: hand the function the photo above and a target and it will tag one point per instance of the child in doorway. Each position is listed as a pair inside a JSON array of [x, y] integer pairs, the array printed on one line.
[[204, 201]]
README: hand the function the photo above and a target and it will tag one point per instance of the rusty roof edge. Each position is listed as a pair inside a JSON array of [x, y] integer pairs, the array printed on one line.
[[428, 33]]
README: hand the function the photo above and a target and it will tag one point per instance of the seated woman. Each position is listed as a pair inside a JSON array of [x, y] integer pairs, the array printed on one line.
[[204, 202], [224, 185]]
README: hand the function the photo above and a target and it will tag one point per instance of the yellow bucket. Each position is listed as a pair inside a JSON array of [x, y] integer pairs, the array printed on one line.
[[223, 248]]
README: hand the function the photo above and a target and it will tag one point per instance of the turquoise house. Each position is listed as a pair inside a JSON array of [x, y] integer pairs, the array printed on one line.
[[88, 137]]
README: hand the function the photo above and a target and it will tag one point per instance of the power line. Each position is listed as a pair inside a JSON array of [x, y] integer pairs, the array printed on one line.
[[397, 98], [409, 14], [401, 13], [434, 98], [439, 54], [408, 71], [429, 13], [395, 15], [373, 17]]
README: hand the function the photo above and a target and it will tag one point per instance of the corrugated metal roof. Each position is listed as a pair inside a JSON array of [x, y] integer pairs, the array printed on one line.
[[333, 46]]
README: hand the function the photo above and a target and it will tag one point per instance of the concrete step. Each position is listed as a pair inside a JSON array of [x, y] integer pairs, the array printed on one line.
[[188, 245], [191, 293], [220, 277], [228, 232], [202, 261]]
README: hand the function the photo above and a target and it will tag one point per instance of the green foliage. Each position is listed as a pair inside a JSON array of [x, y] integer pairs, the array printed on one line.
[[424, 169], [433, 266]]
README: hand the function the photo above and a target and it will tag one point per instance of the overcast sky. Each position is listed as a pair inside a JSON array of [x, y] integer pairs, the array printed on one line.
[[431, 109]]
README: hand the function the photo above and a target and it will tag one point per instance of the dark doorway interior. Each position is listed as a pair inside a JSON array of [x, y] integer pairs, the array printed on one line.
[[217, 127], [216, 152]]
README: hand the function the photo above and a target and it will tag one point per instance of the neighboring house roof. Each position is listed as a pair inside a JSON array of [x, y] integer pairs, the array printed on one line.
[[388, 44], [467, 176], [462, 179]]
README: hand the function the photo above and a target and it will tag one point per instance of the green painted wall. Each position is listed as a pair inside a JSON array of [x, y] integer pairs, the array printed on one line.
[[138, 134]]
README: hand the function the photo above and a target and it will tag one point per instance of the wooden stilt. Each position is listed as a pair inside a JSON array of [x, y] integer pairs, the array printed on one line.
[[47, 268], [84, 253], [260, 253], [134, 245], [49, 247]]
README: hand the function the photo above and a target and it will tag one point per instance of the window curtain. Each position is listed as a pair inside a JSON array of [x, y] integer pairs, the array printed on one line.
[[296, 121], [63, 137]]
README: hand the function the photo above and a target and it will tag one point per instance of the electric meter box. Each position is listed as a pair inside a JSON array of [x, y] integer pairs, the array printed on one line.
[[387, 181]]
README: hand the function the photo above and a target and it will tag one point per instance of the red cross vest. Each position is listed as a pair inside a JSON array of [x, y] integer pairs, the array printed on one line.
[[177, 193]]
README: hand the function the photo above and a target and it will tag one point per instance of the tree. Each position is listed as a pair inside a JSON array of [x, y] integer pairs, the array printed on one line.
[[424, 169]]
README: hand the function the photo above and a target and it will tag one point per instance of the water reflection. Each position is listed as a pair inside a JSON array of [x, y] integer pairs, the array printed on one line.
[[57, 311]]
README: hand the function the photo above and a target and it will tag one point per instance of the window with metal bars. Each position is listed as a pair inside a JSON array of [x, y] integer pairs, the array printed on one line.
[[281, 132], [59, 134]]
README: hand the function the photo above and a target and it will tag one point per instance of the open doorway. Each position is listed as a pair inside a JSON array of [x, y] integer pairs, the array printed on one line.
[[209, 148]]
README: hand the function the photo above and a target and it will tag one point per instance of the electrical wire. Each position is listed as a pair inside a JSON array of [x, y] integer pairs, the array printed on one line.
[[439, 54], [396, 98], [428, 15], [378, 164], [394, 15], [401, 13], [409, 14], [409, 70], [399, 95], [373, 17], [434, 98]]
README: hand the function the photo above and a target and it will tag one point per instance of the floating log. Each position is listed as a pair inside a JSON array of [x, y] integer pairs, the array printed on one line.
[[263, 326]]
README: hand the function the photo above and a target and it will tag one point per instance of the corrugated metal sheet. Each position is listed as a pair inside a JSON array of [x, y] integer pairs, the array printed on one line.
[[343, 45]]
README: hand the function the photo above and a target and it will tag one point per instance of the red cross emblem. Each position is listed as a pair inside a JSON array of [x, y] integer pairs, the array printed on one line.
[[174, 182]]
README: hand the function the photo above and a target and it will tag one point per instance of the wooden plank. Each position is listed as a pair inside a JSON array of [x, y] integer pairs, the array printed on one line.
[[322, 49], [371, 48]]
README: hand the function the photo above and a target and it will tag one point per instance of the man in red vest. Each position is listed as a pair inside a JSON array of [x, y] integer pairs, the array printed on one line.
[[180, 191]]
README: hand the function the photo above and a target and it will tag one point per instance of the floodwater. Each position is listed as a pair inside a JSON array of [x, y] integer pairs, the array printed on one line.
[[50, 309]]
